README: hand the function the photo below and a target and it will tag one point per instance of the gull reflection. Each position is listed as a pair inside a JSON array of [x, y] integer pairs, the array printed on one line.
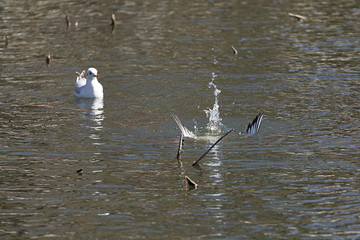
[[94, 112]]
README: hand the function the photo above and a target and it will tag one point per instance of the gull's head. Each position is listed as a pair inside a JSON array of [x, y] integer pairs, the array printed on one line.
[[91, 73]]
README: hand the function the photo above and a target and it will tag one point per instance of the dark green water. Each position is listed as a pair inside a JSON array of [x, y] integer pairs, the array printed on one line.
[[297, 179]]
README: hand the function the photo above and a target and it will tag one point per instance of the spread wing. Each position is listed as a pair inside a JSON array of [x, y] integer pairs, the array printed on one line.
[[253, 126], [186, 132]]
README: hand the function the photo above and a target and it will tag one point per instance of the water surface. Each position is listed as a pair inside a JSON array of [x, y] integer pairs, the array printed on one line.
[[297, 178]]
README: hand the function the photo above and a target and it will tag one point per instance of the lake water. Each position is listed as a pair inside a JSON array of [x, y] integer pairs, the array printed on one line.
[[297, 178]]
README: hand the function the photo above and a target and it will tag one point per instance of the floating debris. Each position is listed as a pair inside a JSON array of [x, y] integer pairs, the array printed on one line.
[[196, 163], [298, 17], [48, 60], [79, 171], [190, 184], [67, 18], [253, 126], [234, 50]]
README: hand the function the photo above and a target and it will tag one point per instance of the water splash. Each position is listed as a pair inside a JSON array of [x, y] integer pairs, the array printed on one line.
[[213, 114]]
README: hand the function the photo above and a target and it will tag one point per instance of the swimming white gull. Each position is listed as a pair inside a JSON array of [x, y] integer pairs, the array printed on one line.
[[88, 87]]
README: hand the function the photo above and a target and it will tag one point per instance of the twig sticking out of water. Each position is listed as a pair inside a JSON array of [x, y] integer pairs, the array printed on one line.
[[235, 51], [113, 20], [48, 59], [190, 184], [67, 18], [298, 17], [196, 163], [113, 23], [6, 40], [180, 150]]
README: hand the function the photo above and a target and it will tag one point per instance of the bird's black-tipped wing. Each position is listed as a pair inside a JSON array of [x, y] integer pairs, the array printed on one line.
[[253, 126]]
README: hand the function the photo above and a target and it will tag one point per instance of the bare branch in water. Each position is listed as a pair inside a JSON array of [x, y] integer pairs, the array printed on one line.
[[6, 40], [180, 148], [31, 106], [190, 184], [48, 60], [67, 18], [113, 20], [196, 163], [235, 51]]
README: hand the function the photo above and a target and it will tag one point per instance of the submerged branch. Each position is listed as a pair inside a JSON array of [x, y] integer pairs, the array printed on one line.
[[196, 163]]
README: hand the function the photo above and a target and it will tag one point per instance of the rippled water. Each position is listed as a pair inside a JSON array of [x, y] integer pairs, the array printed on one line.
[[297, 179]]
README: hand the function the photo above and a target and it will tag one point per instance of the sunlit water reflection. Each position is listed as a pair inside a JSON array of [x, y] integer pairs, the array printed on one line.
[[94, 111]]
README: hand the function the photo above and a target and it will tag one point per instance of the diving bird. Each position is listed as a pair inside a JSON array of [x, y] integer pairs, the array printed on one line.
[[185, 132], [88, 87], [253, 126]]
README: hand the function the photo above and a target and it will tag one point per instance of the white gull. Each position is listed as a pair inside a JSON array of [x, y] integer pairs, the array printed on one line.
[[88, 87]]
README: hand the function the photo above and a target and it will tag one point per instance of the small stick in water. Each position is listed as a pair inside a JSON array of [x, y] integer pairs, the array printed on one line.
[[31, 106], [6, 40], [48, 60], [234, 50], [298, 17], [190, 184], [113, 20], [67, 18], [180, 150], [196, 163]]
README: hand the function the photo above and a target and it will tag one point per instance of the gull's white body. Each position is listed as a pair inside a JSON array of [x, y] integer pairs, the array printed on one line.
[[88, 87]]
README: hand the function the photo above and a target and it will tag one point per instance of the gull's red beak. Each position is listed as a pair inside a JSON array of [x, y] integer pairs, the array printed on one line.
[[96, 75]]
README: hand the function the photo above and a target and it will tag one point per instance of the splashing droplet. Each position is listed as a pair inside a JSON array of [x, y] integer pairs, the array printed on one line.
[[213, 114]]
